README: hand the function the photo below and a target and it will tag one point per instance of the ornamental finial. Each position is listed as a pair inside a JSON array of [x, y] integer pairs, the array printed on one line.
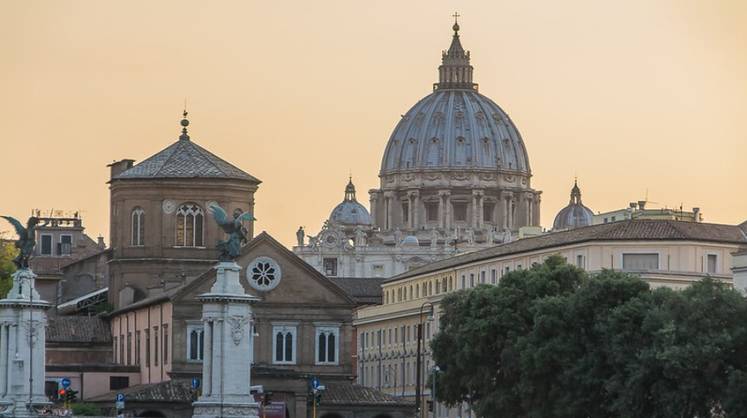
[[456, 22], [184, 123]]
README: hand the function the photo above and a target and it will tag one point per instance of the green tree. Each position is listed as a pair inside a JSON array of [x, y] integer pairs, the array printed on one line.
[[554, 342], [476, 347], [7, 253]]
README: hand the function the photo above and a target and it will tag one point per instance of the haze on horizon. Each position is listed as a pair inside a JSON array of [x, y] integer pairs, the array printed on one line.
[[634, 98]]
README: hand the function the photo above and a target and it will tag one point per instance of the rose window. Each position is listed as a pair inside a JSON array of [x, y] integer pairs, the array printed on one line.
[[263, 273]]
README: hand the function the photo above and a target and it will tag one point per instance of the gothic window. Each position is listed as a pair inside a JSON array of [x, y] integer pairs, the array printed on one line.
[[327, 348], [284, 344], [189, 226], [263, 273], [195, 342], [138, 227]]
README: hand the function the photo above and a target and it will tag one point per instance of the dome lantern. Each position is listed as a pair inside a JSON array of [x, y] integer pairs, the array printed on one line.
[[455, 72]]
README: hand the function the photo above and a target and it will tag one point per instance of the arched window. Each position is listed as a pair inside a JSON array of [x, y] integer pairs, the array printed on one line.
[[189, 226], [138, 227], [326, 345], [284, 344], [194, 342]]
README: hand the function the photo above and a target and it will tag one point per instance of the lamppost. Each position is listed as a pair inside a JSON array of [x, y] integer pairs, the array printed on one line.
[[434, 371], [418, 402]]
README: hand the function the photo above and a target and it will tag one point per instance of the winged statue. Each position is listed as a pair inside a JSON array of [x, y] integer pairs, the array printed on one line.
[[231, 247], [26, 240]]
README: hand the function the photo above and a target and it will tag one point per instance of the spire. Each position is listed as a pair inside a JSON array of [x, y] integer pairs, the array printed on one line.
[[575, 193], [184, 123], [350, 190], [455, 72]]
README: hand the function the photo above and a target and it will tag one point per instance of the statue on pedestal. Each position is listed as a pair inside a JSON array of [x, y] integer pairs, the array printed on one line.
[[300, 234], [230, 248], [26, 240]]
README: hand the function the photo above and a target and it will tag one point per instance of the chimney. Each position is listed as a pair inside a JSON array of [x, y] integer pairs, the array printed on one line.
[[101, 243], [120, 166], [641, 204]]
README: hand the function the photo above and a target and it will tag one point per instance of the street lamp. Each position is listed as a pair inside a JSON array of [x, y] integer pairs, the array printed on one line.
[[418, 402], [435, 371]]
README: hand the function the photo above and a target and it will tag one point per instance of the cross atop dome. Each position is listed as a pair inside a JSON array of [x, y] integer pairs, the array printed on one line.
[[455, 72]]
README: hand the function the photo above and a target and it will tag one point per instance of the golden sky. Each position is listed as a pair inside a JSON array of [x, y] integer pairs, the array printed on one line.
[[634, 96]]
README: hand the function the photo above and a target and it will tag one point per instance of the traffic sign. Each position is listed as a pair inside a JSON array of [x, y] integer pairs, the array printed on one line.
[[195, 382], [120, 397], [314, 382], [65, 382]]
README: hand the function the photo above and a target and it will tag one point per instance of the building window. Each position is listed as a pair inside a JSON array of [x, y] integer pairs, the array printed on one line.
[[482, 277], [711, 263], [460, 211], [46, 244], [378, 270], [431, 211], [65, 246], [405, 212], [580, 262], [147, 348], [121, 349], [114, 351], [195, 342], [155, 346], [137, 348], [464, 282], [487, 212], [472, 280], [138, 227], [330, 266], [327, 348], [129, 348], [189, 226], [640, 261], [165, 329], [118, 382], [493, 276], [284, 344]]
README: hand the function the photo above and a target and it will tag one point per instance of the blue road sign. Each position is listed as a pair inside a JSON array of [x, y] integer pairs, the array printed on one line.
[[65, 382], [120, 397], [195, 382], [314, 382]]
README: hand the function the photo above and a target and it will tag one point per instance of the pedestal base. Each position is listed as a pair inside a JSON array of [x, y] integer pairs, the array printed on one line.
[[20, 409], [207, 409]]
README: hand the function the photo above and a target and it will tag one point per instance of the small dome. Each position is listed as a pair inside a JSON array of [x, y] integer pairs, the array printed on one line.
[[350, 212], [410, 241], [575, 214]]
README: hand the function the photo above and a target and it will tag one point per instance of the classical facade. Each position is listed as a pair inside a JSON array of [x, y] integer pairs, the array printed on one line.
[[455, 177], [663, 252]]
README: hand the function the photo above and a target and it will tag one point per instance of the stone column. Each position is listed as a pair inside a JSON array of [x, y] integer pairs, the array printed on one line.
[[226, 365], [474, 209], [389, 214], [415, 209], [373, 199], [441, 210], [23, 318], [479, 198]]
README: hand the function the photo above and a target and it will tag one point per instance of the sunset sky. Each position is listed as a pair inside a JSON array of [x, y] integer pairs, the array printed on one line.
[[634, 97]]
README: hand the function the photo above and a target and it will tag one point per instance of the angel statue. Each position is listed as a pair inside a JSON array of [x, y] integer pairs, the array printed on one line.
[[26, 240], [231, 247]]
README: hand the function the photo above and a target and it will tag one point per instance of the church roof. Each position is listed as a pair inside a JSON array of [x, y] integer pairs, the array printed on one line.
[[185, 159], [78, 329], [364, 290], [630, 230], [349, 394]]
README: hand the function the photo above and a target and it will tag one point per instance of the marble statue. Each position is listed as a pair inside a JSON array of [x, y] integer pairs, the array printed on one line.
[[360, 237], [434, 237], [470, 233], [230, 248], [490, 235], [300, 234], [397, 236]]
